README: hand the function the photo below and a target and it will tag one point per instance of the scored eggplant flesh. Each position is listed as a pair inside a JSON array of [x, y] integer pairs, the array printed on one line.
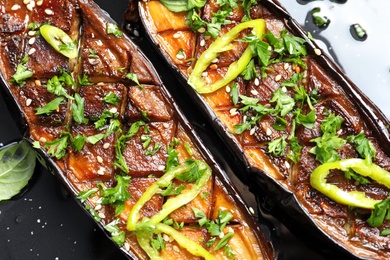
[[182, 47], [110, 64]]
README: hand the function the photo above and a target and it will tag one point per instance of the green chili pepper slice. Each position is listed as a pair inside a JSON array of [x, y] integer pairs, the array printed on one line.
[[350, 198], [59, 40], [222, 44], [173, 203]]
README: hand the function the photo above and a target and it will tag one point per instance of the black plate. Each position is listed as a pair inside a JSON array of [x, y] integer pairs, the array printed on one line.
[[45, 223]]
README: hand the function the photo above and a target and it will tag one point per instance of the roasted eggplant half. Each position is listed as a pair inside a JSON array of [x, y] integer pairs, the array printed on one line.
[[286, 111], [91, 104]]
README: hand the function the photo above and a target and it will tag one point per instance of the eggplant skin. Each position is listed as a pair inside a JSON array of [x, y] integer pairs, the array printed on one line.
[[109, 90], [342, 225]]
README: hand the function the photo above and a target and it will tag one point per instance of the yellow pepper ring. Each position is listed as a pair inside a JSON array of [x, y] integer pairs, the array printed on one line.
[[350, 198], [221, 44]]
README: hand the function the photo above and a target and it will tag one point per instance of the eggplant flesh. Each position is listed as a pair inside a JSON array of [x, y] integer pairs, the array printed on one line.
[[285, 179], [110, 64]]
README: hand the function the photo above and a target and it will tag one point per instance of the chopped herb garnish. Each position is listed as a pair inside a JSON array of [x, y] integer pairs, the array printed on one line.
[[153, 150], [234, 92], [116, 235], [21, 73], [158, 242], [364, 147], [78, 110], [380, 213], [145, 139], [173, 159], [33, 26], [57, 147], [172, 190], [133, 77], [92, 54], [85, 194], [68, 46], [78, 142], [117, 195], [50, 107], [83, 81], [223, 242], [278, 146], [111, 98], [193, 174], [114, 29]]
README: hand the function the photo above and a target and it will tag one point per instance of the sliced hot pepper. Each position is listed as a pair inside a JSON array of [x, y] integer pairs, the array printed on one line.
[[59, 40], [350, 198], [222, 44]]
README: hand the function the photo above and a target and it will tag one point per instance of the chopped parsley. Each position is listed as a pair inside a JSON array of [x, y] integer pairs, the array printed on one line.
[[114, 29], [118, 195], [78, 110], [50, 106], [116, 235], [22, 73]]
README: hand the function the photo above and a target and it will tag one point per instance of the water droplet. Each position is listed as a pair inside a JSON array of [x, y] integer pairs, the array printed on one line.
[[19, 219]]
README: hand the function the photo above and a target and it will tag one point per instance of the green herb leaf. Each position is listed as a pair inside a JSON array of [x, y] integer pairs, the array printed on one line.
[[278, 146], [172, 190], [223, 242], [17, 164], [173, 159], [234, 93], [85, 194], [284, 103], [78, 110], [50, 107], [118, 194], [193, 174], [21, 73], [57, 147], [380, 213], [364, 147], [154, 150], [114, 29], [111, 98], [83, 81], [133, 77], [116, 235]]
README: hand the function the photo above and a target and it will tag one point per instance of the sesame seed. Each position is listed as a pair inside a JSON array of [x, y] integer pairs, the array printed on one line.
[[215, 60], [205, 73], [161, 167], [214, 66], [278, 77], [166, 125], [31, 51], [165, 237], [39, 3], [317, 52], [202, 43], [101, 215], [127, 246], [176, 35], [31, 41], [201, 30], [113, 110], [251, 210], [284, 89], [99, 159], [31, 33], [106, 145], [26, 2], [100, 84], [136, 33], [254, 92], [179, 56], [49, 11], [268, 131], [252, 131], [31, 6], [288, 166], [175, 248], [233, 112], [244, 118], [15, 7], [28, 102], [227, 89], [286, 66], [257, 82], [101, 171], [98, 207], [42, 139]]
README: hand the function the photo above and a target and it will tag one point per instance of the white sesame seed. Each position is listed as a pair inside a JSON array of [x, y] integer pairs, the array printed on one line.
[[127, 246], [244, 118], [26, 2], [113, 110], [251, 210], [317, 52], [136, 33], [179, 56], [32, 3], [215, 60], [39, 3], [284, 89], [233, 112], [227, 89], [202, 43], [286, 66], [204, 74], [252, 131], [99, 159], [31, 41], [268, 131], [165, 237], [166, 125], [28, 102], [98, 207], [254, 92], [42, 139], [49, 11], [31, 51], [288, 166], [30, 6], [201, 30], [257, 82], [175, 248], [278, 77], [100, 84], [15, 7], [161, 167], [31, 33], [176, 35], [101, 215], [38, 82], [106, 145]]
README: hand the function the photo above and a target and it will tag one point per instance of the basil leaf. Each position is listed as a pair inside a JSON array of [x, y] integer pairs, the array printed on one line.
[[17, 164]]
